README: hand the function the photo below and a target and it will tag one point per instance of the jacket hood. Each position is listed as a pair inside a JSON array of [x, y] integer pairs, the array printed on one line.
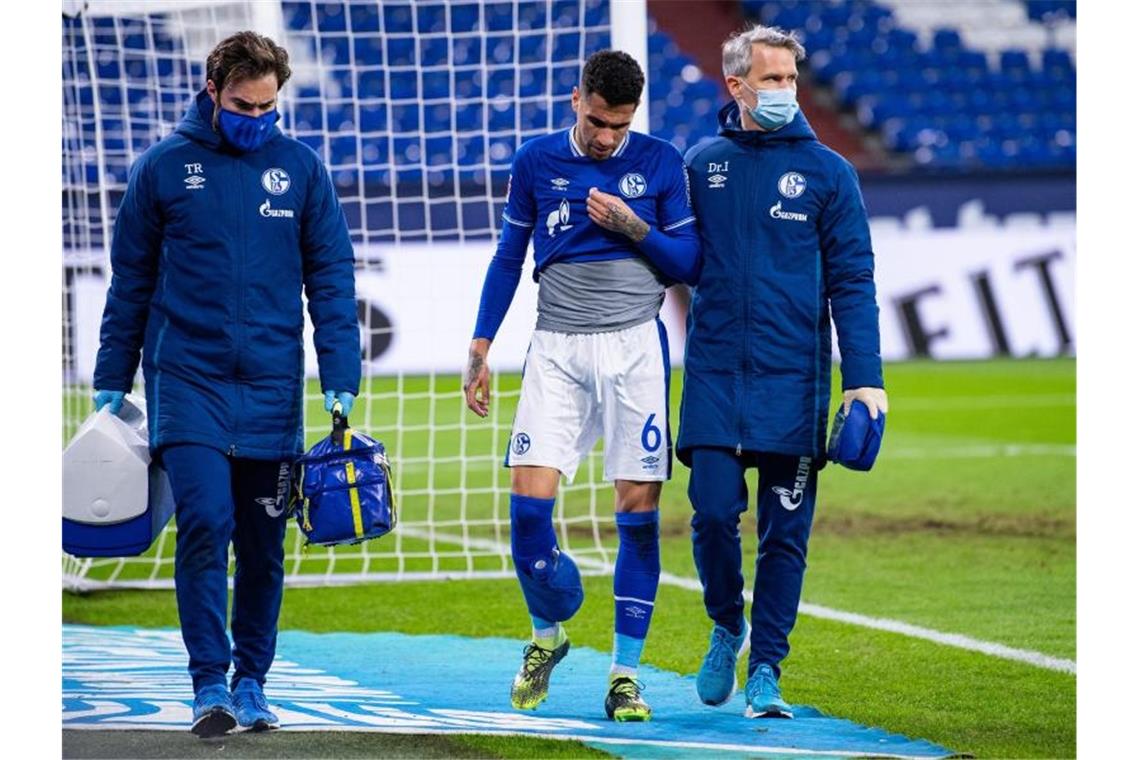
[[198, 124], [729, 119]]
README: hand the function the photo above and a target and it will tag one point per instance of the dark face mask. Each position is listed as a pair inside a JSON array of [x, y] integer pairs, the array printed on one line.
[[246, 133]]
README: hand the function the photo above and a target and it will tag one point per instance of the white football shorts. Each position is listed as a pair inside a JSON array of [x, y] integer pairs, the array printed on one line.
[[577, 387]]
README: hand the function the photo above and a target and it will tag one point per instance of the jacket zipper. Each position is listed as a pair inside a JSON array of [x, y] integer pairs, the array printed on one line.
[[240, 282], [747, 310]]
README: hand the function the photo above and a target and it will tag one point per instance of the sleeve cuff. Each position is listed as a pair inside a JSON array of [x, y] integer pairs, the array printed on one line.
[[861, 372]]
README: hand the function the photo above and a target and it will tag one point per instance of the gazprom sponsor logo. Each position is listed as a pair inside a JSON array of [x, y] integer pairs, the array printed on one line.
[[777, 212], [790, 499], [266, 210]]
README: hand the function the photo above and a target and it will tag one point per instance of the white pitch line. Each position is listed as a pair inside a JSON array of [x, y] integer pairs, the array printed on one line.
[[903, 405], [957, 640], [982, 451]]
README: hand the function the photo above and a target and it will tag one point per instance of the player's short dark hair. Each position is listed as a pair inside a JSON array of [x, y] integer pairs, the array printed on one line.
[[247, 55], [615, 76]]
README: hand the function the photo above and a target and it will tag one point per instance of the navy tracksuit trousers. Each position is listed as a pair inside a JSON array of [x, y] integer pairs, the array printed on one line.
[[219, 499], [785, 503]]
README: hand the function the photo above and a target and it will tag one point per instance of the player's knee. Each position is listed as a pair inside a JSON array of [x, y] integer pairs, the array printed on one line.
[[535, 482], [532, 530], [637, 496], [552, 587]]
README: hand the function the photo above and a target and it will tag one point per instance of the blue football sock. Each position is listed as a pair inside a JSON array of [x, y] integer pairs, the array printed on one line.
[[627, 654], [635, 585], [542, 624], [532, 529], [532, 538]]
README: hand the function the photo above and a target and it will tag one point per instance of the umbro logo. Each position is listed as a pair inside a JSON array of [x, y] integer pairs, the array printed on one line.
[[717, 171], [195, 180], [560, 183]]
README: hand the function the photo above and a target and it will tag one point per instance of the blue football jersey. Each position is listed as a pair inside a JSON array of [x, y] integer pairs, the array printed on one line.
[[551, 179]]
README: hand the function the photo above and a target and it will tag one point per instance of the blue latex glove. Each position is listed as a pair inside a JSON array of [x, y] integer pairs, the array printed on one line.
[[344, 397], [114, 398]]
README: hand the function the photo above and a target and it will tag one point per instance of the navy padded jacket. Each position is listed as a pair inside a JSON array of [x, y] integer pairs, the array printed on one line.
[[210, 252], [786, 248]]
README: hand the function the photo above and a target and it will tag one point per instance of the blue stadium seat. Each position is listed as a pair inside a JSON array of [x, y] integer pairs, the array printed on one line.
[[502, 115], [567, 46], [364, 18], [439, 150], [532, 48], [596, 13], [464, 17], [405, 118], [401, 50], [370, 84], [331, 18], [499, 17], [404, 85], [942, 99], [431, 18], [397, 18], [1054, 58], [373, 118], [1014, 60], [947, 39], [466, 51], [532, 15], [436, 85], [433, 51], [1042, 10]]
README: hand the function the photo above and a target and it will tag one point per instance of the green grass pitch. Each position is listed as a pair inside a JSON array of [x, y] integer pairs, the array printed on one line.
[[967, 525]]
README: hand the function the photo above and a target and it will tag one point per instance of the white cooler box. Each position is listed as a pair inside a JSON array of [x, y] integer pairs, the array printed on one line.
[[115, 500]]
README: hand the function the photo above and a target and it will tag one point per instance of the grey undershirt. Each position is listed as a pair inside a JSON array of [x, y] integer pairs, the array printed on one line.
[[598, 296]]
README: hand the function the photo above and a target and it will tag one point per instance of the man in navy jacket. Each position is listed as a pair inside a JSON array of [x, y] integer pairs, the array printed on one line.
[[786, 249], [222, 224]]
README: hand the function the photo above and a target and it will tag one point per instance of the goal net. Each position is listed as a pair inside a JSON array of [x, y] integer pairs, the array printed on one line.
[[417, 109]]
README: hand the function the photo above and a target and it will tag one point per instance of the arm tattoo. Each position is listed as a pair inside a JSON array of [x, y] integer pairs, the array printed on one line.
[[473, 369], [627, 224]]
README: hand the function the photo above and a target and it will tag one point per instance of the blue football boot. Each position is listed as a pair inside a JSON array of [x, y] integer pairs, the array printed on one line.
[[716, 681], [763, 695], [252, 710], [213, 711]]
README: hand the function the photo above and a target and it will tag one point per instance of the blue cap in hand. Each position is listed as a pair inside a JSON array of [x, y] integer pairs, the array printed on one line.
[[855, 437]]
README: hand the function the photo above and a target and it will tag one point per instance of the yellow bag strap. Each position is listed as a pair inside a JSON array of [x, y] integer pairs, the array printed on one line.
[[353, 493]]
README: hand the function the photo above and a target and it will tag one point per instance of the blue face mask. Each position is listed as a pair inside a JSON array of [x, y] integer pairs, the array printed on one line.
[[774, 108], [246, 133]]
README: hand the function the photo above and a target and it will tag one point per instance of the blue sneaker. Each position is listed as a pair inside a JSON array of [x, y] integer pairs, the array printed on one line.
[[252, 710], [213, 711], [763, 695], [716, 681]]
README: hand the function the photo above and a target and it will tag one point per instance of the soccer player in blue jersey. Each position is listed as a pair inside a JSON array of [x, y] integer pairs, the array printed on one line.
[[612, 225]]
